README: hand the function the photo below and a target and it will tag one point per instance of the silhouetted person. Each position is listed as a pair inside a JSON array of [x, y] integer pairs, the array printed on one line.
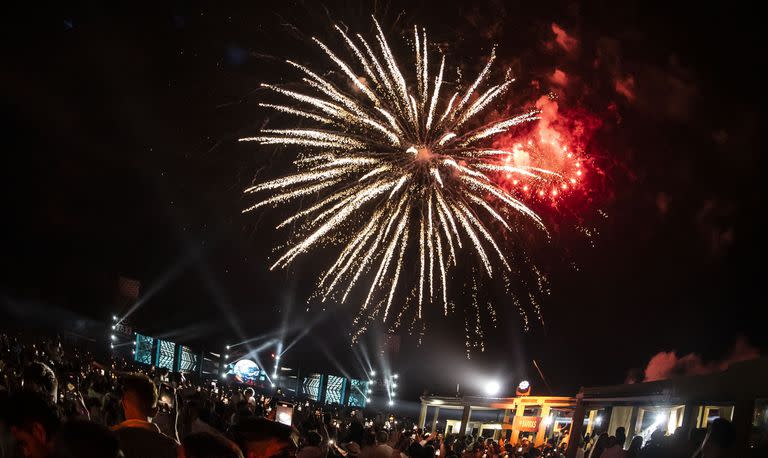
[[621, 436], [634, 447], [654, 447], [383, 449], [33, 421], [206, 445], [259, 437], [38, 377], [85, 439], [695, 439], [720, 438], [613, 449], [313, 448], [599, 448], [138, 437]]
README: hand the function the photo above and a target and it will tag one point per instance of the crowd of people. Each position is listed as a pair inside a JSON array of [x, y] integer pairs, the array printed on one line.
[[60, 401], [714, 442]]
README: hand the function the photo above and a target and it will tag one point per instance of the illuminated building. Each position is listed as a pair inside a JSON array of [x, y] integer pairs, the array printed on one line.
[[535, 417], [738, 394]]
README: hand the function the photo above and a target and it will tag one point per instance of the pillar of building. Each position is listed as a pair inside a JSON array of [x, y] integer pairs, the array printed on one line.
[[464, 420], [577, 426], [591, 421], [690, 413], [639, 422], [434, 420], [520, 412], [743, 415], [606, 421], [543, 424], [504, 427], [632, 429], [423, 414]]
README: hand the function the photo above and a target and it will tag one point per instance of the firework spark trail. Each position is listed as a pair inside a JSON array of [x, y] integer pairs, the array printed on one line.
[[400, 170]]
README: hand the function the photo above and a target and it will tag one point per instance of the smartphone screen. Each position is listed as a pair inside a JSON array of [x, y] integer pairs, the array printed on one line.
[[284, 413], [166, 396]]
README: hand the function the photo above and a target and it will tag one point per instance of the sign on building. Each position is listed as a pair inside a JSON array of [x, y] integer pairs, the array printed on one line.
[[526, 424]]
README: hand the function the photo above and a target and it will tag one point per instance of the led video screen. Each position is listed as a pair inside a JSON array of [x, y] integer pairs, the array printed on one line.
[[358, 393], [166, 351], [143, 349], [310, 386], [245, 371], [188, 360], [335, 389]]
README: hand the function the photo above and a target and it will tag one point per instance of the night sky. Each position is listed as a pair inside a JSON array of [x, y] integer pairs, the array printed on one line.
[[119, 157]]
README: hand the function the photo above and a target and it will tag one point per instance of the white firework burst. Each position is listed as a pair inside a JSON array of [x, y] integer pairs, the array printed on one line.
[[401, 172]]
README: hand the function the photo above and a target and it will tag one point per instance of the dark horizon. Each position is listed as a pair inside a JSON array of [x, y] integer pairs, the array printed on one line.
[[121, 159]]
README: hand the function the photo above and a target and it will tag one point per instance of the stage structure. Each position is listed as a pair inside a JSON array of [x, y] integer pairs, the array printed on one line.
[[175, 357], [334, 389]]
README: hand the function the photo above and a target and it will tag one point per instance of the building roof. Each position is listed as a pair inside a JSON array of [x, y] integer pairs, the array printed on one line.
[[741, 381], [490, 403]]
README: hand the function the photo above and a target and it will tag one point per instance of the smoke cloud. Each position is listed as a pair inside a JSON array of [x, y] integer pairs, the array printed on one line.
[[667, 364], [559, 78], [626, 87], [562, 39]]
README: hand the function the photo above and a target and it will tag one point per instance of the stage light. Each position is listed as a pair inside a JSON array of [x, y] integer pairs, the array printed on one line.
[[598, 420], [114, 326], [373, 373], [114, 317], [492, 388], [273, 385], [133, 352], [548, 420], [367, 399], [113, 337], [370, 391], [524, 385], [391, 402], [394, 385], [226, 356], [661, 417], [227, 347], [111, 346], [395, 376]]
